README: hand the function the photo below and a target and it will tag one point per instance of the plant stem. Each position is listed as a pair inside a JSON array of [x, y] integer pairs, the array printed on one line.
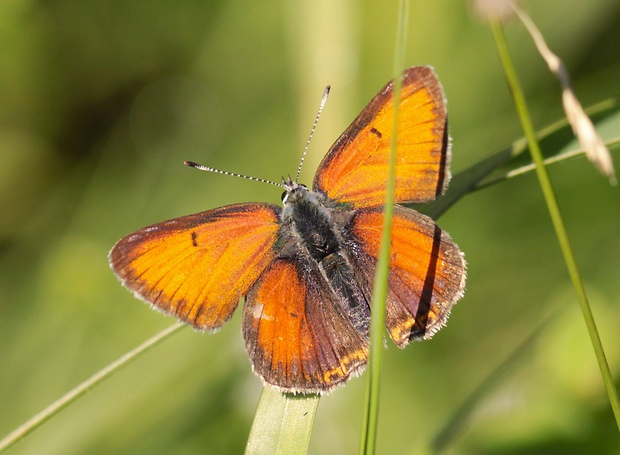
[[377, 320], [556, 217], [68, 398]]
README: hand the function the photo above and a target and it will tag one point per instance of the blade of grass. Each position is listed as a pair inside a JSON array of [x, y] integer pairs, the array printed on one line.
[[560, 143], [562, 156], [377, 320], [282, 423], [556, 217], [64, 401], [480, 175]]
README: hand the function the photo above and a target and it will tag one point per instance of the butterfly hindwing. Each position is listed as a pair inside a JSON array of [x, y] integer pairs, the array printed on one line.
[[296, 332], [427, 271], [356, 167], [197, 267]]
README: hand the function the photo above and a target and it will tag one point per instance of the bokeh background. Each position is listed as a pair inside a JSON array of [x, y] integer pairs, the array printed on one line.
[[102, 101]]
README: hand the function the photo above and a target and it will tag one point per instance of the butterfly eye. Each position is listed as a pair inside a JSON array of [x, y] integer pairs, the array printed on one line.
[[283, 197]]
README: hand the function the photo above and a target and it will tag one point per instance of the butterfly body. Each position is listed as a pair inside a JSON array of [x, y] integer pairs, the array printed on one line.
[[305, 271], [320, 239]]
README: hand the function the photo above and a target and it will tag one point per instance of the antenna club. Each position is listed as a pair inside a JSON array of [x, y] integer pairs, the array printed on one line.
[[202, 167]]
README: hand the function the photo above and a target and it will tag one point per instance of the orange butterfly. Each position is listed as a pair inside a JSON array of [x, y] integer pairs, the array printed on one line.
[[306, 270]]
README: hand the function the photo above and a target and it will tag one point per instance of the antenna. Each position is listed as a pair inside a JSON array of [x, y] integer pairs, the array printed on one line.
[[217, 171], [316, 121], [202, 167]]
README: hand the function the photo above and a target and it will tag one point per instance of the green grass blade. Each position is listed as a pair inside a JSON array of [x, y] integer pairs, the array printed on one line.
[[558, 158], [511, 161], [282, 423], [377, 321], [64, 401], [558, 143], [556, 217]]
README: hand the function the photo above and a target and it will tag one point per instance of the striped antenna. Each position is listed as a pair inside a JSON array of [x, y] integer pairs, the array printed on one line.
[[316, 121], [217, 171]]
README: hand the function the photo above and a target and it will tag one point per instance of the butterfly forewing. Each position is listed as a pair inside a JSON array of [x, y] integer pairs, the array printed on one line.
[[198, 266], [356, 167]]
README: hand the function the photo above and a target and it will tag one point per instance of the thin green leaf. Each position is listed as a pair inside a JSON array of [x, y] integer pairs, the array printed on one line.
[[96, 379], [556, 137], [561, 156], [282, 423], [556, 217], [558, 143], [380, 290]]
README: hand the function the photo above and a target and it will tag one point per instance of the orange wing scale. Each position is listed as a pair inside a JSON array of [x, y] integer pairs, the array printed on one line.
[[356, 167], [198, 266], [427, 271]]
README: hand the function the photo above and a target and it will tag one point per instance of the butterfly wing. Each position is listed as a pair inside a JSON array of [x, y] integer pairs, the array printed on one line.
[[296, 332], [427, 271], [197, 267], [356, 167]]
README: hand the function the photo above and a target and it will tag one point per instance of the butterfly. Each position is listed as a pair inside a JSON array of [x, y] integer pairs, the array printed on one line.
[[306, 270]]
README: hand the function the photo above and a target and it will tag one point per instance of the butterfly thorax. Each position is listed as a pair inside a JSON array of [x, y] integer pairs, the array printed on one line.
[[310, 220]]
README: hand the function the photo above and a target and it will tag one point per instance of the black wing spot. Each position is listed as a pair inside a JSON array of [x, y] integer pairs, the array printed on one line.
[[194, 237], [376, 132]]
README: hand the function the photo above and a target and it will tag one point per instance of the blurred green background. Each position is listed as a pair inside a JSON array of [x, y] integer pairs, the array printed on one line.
[[102, 101]]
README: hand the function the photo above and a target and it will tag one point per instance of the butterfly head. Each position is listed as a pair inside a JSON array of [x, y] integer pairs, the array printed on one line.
[[293, 191]]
